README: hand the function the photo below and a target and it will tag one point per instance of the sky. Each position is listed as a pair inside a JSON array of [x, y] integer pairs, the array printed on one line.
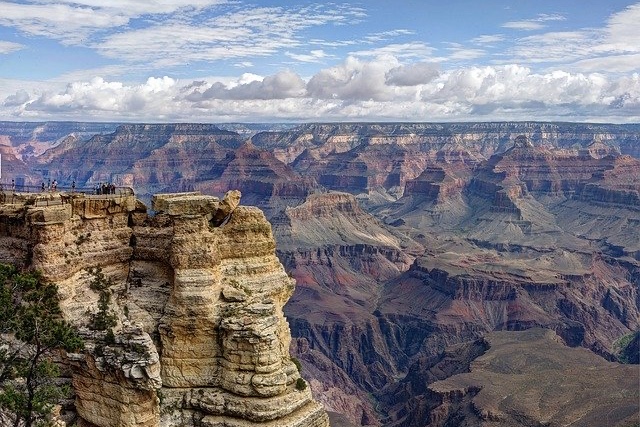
[[217, 61]]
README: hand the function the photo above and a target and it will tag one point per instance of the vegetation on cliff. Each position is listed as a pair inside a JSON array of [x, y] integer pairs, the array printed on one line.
[[627, 348], [32, 331], [104, 319]]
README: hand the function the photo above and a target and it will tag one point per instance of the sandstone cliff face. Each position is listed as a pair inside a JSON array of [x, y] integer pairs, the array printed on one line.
[[200, 339]]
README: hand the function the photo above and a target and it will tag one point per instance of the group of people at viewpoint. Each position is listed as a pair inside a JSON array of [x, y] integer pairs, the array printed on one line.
[[51, 186], [105, 188]]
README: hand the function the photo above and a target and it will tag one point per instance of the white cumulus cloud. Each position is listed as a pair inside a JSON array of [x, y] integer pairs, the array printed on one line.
[[384, 88], [282, 85], [99, 95], [412, 74], [354, 80]]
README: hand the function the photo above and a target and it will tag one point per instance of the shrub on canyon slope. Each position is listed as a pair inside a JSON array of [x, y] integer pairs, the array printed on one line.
[[32, 332]]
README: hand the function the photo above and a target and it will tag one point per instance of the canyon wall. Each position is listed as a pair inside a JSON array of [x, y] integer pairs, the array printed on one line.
[[196, 292]]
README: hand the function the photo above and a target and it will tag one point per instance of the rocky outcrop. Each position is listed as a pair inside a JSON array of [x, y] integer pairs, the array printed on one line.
[[197, 294], [438, 184]]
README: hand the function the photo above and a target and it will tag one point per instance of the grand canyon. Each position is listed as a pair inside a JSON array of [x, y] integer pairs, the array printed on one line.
[[446, 274]]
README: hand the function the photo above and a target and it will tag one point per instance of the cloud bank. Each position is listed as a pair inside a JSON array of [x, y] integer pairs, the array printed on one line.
[[383, 89]]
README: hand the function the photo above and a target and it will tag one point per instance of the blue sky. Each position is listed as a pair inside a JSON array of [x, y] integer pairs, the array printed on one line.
[[233, 60]]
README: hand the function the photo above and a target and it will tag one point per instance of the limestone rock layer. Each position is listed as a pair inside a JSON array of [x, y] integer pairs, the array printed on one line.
[[197, 294]]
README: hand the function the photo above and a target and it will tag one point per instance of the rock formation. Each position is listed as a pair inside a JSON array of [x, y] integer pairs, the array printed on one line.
[[485, 139], [197, 293], [405, 239]]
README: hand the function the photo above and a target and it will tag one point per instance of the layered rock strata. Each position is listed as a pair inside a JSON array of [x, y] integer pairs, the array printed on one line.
[[340, 255], [543, 233], [197, 293]]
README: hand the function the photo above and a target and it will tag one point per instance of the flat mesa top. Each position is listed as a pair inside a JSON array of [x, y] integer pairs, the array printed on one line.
[[193, 203]]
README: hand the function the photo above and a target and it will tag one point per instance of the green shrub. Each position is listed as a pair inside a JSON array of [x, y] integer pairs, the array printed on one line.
[[30, 314], [110, 337], [297, 363], [625, 348], [104, 318]]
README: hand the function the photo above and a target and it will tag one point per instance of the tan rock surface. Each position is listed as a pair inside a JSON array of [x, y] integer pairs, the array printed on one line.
[[200, 335]]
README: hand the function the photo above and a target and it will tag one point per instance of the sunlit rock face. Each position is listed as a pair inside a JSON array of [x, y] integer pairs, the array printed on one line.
[[197, 291]]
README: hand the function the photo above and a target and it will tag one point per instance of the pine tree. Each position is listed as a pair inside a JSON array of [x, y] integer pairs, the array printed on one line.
[[31, 331]]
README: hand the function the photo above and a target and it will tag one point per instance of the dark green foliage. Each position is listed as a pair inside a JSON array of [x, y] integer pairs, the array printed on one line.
[[82, 238], [99, 282], [110, 337], [627, 348], [104, 319], [301, 384], [139, 348], [31, 331], [297, 363]]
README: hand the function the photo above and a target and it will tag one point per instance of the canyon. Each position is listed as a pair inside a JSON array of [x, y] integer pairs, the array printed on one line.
[[420, 252]]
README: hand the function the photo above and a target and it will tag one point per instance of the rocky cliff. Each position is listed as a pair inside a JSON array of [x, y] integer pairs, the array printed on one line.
[[485, 139], [30, 139], [340, 256], [196, 293]]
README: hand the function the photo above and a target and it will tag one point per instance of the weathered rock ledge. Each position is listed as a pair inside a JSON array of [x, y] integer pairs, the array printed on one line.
[[197, 293]]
